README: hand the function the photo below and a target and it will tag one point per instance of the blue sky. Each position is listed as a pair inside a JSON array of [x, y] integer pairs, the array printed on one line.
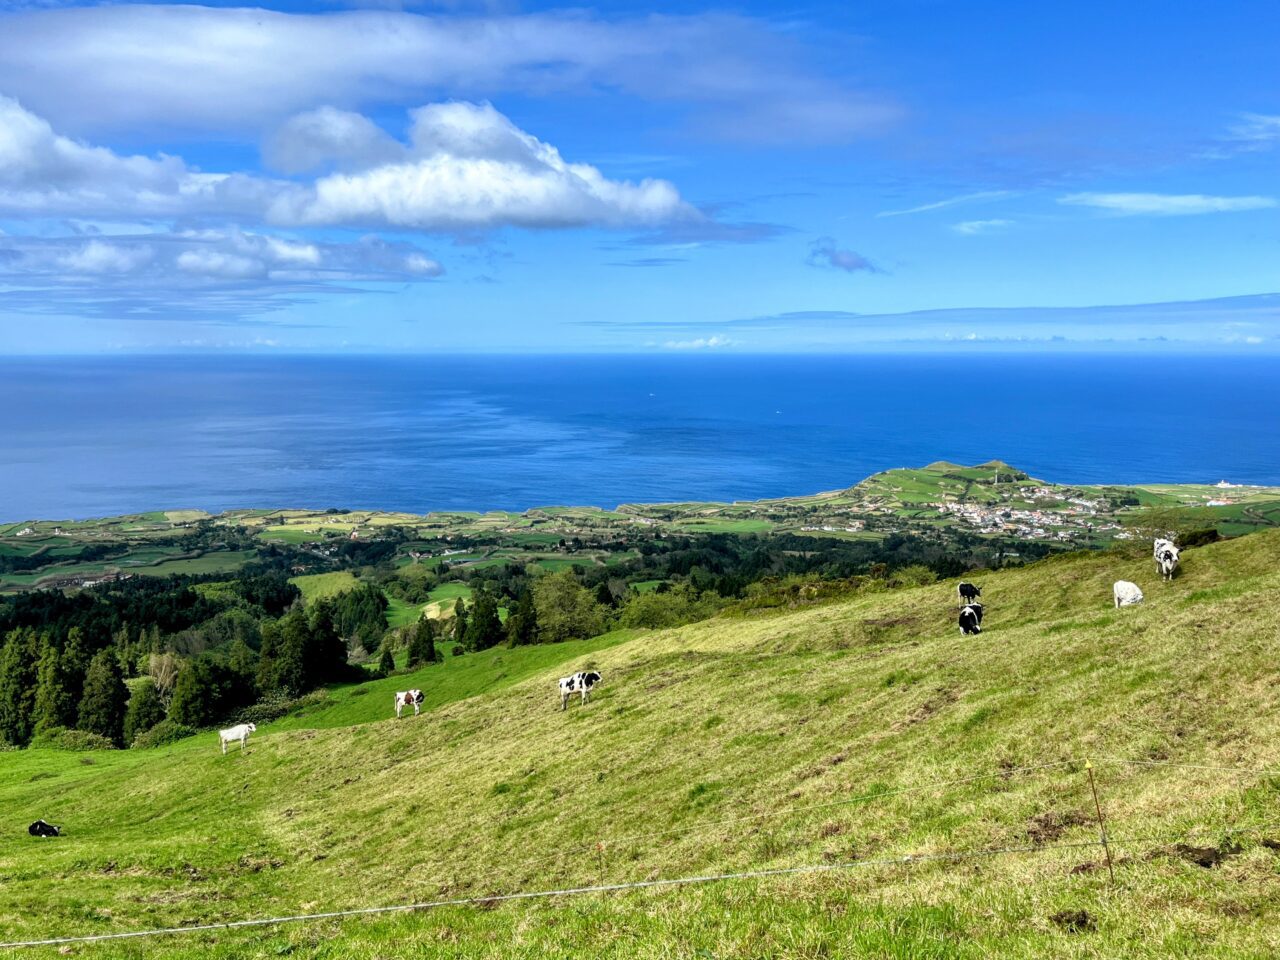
[[509, 177]]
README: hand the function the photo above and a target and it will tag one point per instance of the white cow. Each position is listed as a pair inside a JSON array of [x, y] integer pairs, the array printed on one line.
[[1126, 594], [1166, 554], [406, 697], [239, 732]]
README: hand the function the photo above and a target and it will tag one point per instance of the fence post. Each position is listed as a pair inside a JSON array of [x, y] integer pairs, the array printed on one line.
[[1102, 824]]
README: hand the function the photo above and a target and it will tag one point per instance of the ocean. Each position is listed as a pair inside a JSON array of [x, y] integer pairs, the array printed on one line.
[[84, 437]]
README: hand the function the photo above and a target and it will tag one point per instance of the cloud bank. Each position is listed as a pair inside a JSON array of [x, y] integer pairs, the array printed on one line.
[[1165, 204], [196, 68], [466, 167]]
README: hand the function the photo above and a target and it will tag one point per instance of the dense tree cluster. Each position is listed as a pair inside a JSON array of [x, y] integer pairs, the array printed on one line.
[[200, 650]]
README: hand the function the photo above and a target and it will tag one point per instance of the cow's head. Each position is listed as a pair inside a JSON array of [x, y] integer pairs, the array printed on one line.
[[251, 727], [591, 679]]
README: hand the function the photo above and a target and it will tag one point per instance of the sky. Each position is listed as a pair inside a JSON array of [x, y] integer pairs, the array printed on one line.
[[854, 176]]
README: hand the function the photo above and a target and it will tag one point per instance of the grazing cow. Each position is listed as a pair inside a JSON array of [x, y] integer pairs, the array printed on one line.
[[1126, 594], [578, 683], [239, 732], [405, 698], [42, 829], [1166, 554], [971, 619], [968, 593]]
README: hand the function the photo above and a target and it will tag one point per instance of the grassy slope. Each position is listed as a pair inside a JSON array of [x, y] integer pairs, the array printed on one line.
[[759, 719], [315, 586]]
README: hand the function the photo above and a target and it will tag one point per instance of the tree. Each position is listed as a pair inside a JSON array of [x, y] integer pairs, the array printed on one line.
[[326, 650], [604, 596], [102, 707], [243, 660], [291, 674], [669, 608], [485, 627], [522, 623], [422, 643], [207, 691], [163, 670], [460, 621], [266, 674], [387, 664], [17, 686], [55, 700], [566, 609], [144, 712]]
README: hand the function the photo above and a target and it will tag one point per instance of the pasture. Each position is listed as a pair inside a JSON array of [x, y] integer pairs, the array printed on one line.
[[860, 731]]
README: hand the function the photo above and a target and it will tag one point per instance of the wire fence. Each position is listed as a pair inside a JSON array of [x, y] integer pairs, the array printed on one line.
[[603, 841]]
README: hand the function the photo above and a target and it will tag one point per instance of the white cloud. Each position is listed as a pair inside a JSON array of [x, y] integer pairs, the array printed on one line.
[[702, 343], [329, 137], [470, 168], [223, 274], [466, 168], [1251, 133], [114, 67], [97, 256], [43, 173], [971, 227], [216, 263], [1164, 204], [949, 202], [823, 252]]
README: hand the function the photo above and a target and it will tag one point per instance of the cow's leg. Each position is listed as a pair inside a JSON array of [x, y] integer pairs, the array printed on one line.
[[224, 748], [564, 700]]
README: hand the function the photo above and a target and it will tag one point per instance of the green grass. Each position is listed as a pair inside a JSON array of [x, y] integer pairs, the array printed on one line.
[[316, 586], [863, 729], [450, 591], [401, 613]]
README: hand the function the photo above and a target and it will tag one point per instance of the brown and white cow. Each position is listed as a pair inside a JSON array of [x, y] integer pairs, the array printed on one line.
[[405, 698]]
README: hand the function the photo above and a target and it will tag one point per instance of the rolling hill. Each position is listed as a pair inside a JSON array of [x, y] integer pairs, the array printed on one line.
[[850, 735]]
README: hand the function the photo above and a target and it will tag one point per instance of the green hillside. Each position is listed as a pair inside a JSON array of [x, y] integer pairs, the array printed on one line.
[[860, 731]]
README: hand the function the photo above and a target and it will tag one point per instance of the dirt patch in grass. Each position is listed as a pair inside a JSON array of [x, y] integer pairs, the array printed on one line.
[[1206, 857], [1049, 826], [1074, 921]]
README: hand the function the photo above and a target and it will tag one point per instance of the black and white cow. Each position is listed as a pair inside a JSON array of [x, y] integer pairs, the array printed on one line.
[[406, 698], [968, 592], [579, 683], [971, 619], [42, 829], [1166, 554]]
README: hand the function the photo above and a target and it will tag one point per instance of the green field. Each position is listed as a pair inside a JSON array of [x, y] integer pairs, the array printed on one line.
[[400, 613], [854, 733], [318, 585]]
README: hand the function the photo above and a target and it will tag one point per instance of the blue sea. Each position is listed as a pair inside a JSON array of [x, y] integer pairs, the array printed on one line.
[[92, 437]]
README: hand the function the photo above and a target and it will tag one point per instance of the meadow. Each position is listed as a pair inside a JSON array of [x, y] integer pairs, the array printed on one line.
[[851, 734]]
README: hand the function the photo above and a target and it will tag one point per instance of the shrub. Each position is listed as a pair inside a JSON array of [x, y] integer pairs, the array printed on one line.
[[916, 575], [279, 705], [458, 650], [166, 731], [60, 738]]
